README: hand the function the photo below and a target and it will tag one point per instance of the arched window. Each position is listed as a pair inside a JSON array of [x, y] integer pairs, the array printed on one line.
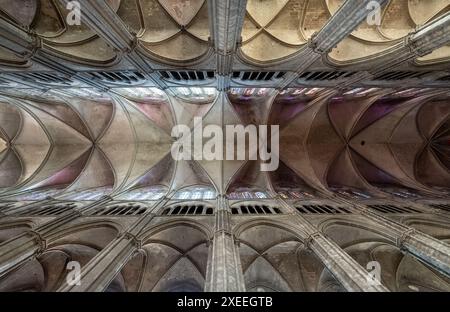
[[255, 209], [39, 194], [195, 94], [299, 92], [400, 192], [90, 194], [321, 209], [295, 193], [144, 193], [129, 209], [247, 193], [260, 195], [49, 210], [249, 92], [196, 193], [188, 210], [351, 193], [142, 93]]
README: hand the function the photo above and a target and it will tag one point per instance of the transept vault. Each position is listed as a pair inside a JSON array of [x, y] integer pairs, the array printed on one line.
[[358, 198]]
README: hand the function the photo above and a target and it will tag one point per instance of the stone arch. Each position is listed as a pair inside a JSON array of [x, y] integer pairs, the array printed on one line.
[[196, 207], [255, 207], [202, 228], [397, 271], [275, 258], [183, 245], [9, 230], [366, 242], [48, 271], [121, 208], [83, 233], [357, 231], [432, 226]]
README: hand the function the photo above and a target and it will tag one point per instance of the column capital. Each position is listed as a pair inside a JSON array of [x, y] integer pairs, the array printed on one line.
[[402, 238], [136, 241], [39, 238], [343, 267], [346, 270], [311, 237], [414, 48], [422, 246], [313, 44]]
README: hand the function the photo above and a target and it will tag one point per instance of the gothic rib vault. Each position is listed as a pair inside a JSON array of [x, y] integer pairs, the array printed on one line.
[[87, 175]]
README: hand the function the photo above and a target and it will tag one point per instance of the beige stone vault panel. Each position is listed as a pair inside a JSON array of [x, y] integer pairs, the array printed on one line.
[[286, 26], [171, 30], [48, 20], [398, 19], [117, 142], [275, 29]]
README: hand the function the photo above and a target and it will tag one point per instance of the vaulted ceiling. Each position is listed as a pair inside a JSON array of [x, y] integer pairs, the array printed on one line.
[[116, 142], [167, 43], [180, 30], [286, 26], [360, 106]]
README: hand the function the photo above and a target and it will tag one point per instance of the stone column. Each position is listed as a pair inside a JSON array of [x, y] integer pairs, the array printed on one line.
[[21, 248], [427, 249], [17, 40], [418, 43], [28, 46], [224, 270], [98, 273], [422, 246], [348, 17], [344, 268], [101, 18], [227, 20]]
